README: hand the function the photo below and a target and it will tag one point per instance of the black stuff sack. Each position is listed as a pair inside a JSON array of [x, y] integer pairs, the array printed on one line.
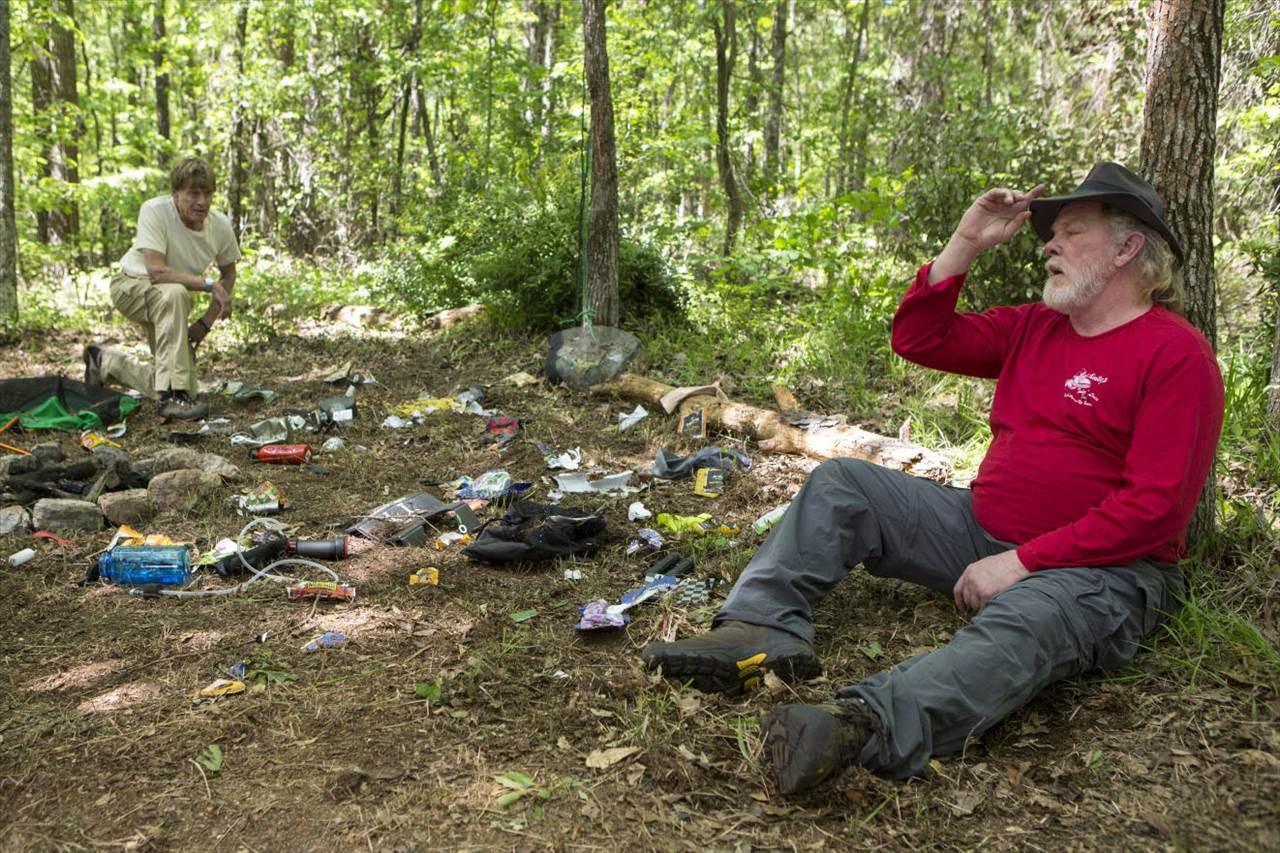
[[532, 531]]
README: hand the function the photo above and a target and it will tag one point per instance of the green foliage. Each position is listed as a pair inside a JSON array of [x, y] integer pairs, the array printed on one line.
[[517, 253]]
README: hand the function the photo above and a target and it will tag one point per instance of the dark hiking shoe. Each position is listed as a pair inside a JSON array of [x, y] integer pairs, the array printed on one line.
[[92, 365], [810, 743], [178, 406], [730, 658]]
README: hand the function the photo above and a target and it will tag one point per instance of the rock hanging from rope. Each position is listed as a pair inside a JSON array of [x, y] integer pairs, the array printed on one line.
[[583, 357]]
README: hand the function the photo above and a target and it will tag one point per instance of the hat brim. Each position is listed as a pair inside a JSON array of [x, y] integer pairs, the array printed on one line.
[[1045, 210]]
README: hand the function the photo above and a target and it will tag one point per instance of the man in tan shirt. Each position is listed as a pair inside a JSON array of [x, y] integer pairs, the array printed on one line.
[[180, 238]]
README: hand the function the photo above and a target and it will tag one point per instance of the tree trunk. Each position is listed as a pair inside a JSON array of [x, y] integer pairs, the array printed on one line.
[[428, 134], [773, 114], [8, 226], [726, 55], [238, 155], [846, 102], [1273, 392], [1178, 144], [602, 220], [162, 77]]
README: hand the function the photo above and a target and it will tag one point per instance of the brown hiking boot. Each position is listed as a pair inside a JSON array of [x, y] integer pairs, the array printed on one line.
[[731, 656], [811, 743], [178, 406]]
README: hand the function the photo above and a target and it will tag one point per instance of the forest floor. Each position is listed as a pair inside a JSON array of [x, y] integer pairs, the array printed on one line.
[[339, 749]]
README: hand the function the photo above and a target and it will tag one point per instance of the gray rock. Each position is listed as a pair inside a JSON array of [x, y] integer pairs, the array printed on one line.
[[14, 519], [105, 456], [133, 506], [180, 491], [66, 516], [175, 459], [143, 468], [15, 464], [215, 464], [581, 358], [49, 453]]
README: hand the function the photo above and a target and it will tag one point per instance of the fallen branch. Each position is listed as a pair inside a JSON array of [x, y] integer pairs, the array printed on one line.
[[776, 435], [452, 316]]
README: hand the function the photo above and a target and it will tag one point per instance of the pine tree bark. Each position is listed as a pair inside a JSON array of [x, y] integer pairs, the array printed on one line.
[[773, 113], [238, 153], [846, 101], [162, 77], [8, 225], [602, 220], [1273, 392], [1178, 146], [726, 55]]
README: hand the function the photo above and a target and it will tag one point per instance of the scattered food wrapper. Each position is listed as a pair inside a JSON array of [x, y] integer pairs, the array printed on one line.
[[521, 379], [595, 616], [699, 525], [615, 485], [396, 422], [573, 574], [500, 431], [90, 439], [360, 448], [430, 576], [646, 537], [332, 443], [221, 687], [626, 422], [764, 523], [637, 512], [262, 499], [270, 431], [327, 640], [491, 485], [692, 592], [569, 460], [560, 673], [451, 537], [708, 482], [555, 496], [126, 535]]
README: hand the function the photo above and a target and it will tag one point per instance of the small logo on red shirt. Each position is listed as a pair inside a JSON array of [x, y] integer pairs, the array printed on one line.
[[1079, 388]]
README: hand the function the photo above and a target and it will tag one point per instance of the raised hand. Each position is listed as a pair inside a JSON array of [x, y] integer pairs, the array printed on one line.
[[992, 219]]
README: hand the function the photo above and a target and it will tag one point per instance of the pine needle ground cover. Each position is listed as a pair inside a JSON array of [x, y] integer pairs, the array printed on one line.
[[454, 719]]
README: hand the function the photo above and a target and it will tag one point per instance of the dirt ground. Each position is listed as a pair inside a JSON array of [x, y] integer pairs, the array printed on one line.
[[337, 749]]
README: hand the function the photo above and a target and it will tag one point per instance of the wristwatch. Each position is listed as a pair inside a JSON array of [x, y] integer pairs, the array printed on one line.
[[208, 284]]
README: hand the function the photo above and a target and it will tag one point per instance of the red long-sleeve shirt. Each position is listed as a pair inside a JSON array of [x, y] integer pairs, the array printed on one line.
[[1099, 444]]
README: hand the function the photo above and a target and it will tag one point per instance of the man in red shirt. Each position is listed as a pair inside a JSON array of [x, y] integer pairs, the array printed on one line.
[[1106, 415]]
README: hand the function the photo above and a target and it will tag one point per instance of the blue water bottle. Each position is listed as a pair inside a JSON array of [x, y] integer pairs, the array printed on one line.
[[139, 565]]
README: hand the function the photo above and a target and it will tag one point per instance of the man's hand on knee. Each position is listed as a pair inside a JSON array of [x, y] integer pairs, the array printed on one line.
[[987, 578]]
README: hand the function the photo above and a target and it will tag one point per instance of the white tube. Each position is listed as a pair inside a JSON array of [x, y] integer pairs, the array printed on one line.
[[23, 556]]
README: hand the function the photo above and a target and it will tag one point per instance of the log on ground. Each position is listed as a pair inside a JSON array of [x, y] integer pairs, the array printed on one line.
[[776, 435]]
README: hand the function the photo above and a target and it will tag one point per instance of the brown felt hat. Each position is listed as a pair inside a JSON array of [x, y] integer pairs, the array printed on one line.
[[1113, 184]]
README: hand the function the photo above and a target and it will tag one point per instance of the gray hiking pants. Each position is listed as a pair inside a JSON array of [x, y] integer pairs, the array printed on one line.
[[1054, 624]]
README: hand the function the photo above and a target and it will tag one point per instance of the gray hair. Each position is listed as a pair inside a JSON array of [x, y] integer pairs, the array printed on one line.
[[1161, 276]]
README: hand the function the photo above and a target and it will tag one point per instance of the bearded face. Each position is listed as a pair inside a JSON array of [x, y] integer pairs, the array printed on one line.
[[1071, 286]]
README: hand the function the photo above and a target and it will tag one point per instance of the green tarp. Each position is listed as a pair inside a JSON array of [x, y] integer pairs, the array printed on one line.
[[55, 402]]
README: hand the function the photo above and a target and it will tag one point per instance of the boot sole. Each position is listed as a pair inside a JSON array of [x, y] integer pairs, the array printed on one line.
[[733, 677], [801, 743]]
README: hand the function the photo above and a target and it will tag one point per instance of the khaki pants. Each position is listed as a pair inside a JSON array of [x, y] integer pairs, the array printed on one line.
[[162, 311]]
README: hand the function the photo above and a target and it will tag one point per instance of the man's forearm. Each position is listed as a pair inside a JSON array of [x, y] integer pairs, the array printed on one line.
[[165, 274], [955, 259]]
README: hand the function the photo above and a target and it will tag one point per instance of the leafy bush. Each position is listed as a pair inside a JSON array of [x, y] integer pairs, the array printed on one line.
[[518, 254]]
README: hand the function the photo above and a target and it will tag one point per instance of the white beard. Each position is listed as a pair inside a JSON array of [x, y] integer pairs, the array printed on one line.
[[1078, 290]]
